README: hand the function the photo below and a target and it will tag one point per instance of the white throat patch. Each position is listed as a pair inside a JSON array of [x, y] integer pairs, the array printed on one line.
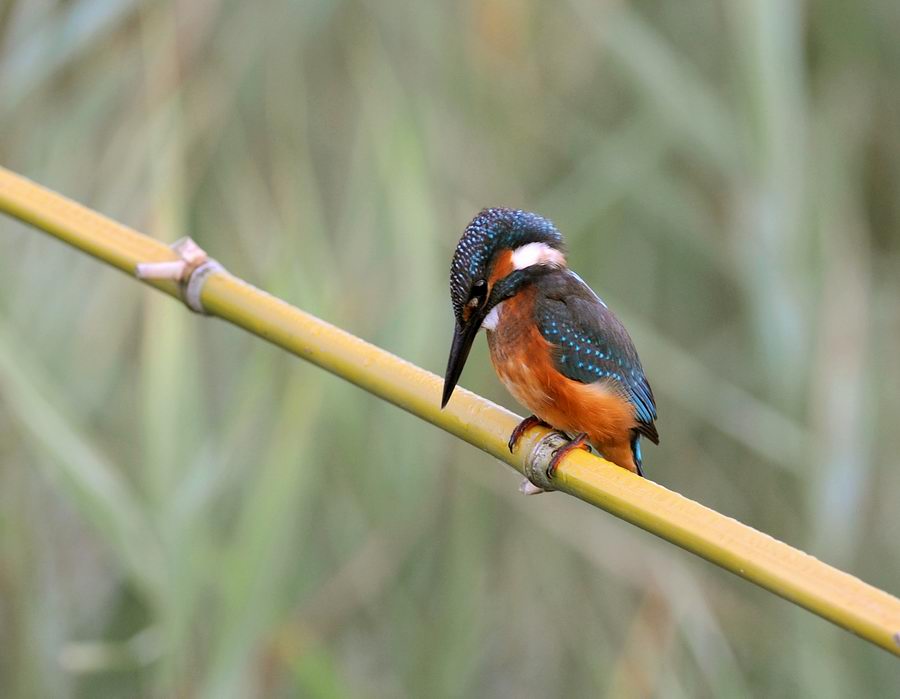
[[493, 318], [537, 254]]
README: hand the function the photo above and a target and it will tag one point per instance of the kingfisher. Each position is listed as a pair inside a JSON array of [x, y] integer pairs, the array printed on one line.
[[554, 343]]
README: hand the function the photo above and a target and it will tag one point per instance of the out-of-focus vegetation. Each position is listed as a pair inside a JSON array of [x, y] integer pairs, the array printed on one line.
[[185, 511]]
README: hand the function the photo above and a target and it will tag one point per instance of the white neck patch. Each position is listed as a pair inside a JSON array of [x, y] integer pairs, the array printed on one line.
[[493, 318], [537, 254]]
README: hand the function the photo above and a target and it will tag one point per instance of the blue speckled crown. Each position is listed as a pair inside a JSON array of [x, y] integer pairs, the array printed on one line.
[[490, 231]]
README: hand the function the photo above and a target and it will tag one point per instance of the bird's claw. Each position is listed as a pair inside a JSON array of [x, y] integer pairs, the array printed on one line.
[[580, 442], [526, 424]]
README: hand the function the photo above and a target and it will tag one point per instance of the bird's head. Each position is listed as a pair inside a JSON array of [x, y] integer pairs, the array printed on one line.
[[499, 252]]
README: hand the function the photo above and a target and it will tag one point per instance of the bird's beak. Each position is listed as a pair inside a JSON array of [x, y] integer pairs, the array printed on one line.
[[463, 337]]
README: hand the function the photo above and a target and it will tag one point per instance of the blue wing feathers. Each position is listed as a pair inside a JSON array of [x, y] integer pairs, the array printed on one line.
[[591, 344]]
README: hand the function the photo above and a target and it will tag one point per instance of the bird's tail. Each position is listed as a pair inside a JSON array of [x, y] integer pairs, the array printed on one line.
[[636, 452]]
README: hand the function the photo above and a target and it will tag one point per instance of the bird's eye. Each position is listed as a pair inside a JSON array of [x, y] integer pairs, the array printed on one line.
[[477, 294]]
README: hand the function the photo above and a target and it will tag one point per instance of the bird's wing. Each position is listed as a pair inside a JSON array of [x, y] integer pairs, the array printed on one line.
[[591, 345]]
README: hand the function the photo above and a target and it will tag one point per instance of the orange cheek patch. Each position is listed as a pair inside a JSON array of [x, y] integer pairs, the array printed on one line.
[[503, 265]]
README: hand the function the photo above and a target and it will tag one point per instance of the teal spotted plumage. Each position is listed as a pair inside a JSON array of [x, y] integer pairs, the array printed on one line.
[[590, 344], [493, 230]]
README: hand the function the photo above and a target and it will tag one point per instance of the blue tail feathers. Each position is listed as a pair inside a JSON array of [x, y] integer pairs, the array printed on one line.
[[636, 452]]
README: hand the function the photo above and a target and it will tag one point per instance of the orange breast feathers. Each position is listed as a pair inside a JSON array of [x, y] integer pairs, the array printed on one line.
[[522, 359]]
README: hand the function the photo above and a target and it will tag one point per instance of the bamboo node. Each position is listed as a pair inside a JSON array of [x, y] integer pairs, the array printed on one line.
[[536, 463], [190, 271]]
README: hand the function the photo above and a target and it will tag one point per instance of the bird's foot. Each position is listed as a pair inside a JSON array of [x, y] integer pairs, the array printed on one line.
[[580, 442], [526, 424]]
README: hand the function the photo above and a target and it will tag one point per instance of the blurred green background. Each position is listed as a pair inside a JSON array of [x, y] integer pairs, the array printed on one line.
[[188, 512]]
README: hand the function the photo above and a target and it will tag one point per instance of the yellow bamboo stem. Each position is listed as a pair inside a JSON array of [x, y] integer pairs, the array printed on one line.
[[832, 594]]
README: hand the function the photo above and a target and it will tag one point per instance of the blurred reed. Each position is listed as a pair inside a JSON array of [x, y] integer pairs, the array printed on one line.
[[726, 175]]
